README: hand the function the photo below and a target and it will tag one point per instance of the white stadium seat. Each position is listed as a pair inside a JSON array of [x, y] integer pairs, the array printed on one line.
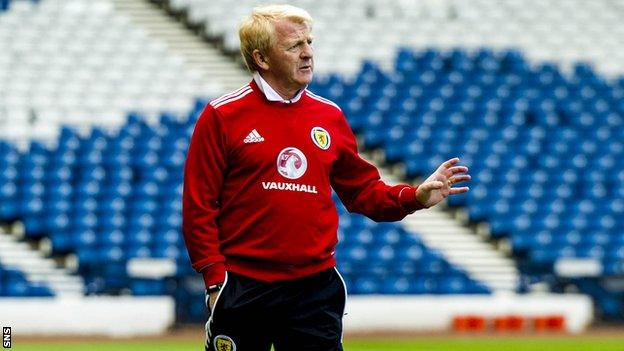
[[544, 29], [67, 60], [82, 55]]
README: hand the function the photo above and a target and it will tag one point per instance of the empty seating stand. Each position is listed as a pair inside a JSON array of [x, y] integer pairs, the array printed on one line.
[[383, 258], [13, 283], [108, 197], [544, 146], [79, 62], [5, 4], [539, 125], [565, 32]]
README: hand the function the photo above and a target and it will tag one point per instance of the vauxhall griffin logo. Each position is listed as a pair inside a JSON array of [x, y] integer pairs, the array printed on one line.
[[291, 163]]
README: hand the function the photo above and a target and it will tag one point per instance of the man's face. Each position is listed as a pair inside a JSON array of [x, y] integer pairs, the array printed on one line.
[[290, 59]]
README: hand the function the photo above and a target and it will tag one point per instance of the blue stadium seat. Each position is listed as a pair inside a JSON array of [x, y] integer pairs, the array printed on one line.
[[545, 149], [13, 283]]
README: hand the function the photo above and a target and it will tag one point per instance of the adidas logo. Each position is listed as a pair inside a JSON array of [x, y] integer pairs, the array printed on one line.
[[253, 137]]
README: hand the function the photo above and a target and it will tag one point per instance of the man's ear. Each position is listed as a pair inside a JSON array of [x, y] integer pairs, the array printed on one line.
[[260, 59]]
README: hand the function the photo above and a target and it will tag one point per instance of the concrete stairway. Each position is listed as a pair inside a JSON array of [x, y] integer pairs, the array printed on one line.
[[200, 56], [38, 268], [439, 230]]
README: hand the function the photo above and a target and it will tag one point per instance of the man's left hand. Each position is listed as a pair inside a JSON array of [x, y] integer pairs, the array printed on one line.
[[441, 183]]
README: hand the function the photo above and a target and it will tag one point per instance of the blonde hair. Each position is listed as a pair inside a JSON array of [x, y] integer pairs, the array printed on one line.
[[257, 31]]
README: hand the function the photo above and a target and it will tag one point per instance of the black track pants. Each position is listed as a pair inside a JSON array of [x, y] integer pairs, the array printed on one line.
[[296, 315]]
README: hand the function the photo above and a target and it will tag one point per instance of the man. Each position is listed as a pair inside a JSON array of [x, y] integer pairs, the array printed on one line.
[[259, 221]]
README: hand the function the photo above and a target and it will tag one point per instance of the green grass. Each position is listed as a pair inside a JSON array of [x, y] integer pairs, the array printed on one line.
[[422, 343], [494, 343]]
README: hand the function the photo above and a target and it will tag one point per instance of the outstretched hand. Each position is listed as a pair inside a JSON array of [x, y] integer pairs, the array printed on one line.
[[440, 184]]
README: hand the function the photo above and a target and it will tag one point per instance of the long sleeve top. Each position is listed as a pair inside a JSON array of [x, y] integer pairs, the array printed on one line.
[[258, 183]]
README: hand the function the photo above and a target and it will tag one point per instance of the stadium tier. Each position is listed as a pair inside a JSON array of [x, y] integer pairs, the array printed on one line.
[[109, 197], [99, 185], [545, 147], [565, 32], [4, 4], [81, 63], [13, 283]]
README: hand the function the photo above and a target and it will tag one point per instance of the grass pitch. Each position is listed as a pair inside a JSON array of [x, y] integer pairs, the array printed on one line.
[[481, 343]]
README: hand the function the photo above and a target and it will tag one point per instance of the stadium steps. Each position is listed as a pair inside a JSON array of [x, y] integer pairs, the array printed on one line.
[[38, 268], [441, 231], [199, 55]]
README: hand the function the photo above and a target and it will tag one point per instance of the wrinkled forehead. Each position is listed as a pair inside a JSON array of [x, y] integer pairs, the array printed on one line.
[[287, 30]]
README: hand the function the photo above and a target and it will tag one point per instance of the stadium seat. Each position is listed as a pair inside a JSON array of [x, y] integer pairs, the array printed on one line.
[[522, 91]]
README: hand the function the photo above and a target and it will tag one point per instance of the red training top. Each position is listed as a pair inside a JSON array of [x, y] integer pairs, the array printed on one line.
[[257, 186]]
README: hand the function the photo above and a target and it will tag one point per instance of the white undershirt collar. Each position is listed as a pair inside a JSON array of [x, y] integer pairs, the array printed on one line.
[[271, 94]]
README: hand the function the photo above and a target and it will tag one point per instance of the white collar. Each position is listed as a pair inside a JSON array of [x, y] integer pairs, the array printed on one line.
[[271, 94]]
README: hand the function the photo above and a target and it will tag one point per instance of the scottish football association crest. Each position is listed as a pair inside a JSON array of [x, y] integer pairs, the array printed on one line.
[[224, 343], [320, 137]]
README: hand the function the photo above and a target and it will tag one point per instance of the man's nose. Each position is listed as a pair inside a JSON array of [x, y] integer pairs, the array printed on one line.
[[307, 51]]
